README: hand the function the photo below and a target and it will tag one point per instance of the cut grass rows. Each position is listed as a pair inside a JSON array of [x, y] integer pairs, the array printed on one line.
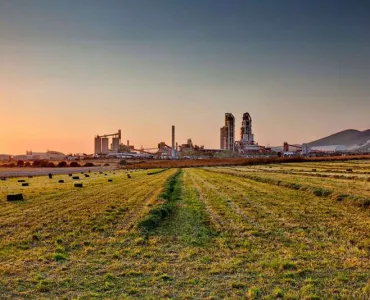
[[335, 192], [224, 237], [167, 201]]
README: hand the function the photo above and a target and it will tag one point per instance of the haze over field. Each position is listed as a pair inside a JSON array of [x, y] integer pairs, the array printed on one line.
[[72, 69]]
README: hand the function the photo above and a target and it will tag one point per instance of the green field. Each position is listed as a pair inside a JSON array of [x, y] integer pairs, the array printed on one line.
[[292, 231]]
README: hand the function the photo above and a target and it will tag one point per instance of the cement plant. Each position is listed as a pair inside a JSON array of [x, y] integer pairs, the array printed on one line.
[[348, 142], [245, 146]]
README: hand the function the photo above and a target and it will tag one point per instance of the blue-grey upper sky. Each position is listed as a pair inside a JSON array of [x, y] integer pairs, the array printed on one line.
[[301, 68]]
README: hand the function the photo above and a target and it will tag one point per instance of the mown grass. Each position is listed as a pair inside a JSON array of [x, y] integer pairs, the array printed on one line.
[[167, 201], [226, 237]]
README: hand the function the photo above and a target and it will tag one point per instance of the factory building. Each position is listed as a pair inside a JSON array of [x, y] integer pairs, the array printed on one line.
[[101, 143], [5, 157], [246, 144], [227, 133], [329, 149], [49, 155], [246, 134]]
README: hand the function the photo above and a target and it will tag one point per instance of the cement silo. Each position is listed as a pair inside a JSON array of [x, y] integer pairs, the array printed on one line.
[[115, 144], [105, 145], [97, 145]]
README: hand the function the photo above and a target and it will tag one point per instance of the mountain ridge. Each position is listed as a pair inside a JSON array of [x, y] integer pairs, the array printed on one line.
[[351, 138]]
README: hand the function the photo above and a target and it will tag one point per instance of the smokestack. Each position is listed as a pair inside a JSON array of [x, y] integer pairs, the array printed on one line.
[[173, 142], [128, 143]]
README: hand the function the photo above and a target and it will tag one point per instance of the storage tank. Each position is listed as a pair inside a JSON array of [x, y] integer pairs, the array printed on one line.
[[97, 146], [105, 145], [115, 144]]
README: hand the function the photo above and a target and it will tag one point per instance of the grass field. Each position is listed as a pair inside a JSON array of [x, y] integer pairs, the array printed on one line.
[[289, 230]]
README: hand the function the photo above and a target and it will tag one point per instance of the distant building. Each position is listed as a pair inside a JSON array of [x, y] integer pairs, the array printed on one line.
[[329, 149], [5, 157], [227, 133], [49, 155], [246, 135]]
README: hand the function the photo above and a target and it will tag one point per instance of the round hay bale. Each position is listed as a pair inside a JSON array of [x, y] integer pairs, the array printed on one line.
[[79, 185], [76, 177], [25, 184], [21, 180], [87, 175], [30, 176], [70, 175], [3, 179], [14, 197], [110, 180], [61, 181]]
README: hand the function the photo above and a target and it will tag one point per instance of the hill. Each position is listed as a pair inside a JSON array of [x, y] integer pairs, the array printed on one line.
[[353, 139]]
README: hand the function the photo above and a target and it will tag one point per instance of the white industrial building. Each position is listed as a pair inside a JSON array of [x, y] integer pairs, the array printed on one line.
[[329, 149], [49, 155], [5, 157]]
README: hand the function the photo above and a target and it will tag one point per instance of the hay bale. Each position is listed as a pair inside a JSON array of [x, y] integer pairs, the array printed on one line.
[[14, 197], [105, 174], [349, 170], [21, 180], [87, 175], [110, 180], [3, 179], [313, 170], [50, 176], [61, 181], [76, 177], [70, 175], [128, 176], [25, 184], [79, 185], [30, 176]]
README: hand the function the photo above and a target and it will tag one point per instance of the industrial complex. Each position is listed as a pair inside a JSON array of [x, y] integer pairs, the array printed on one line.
[[111, 146], [246, 144]]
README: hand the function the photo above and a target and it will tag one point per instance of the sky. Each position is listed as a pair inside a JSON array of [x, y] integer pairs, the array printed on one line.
[[72, 69]]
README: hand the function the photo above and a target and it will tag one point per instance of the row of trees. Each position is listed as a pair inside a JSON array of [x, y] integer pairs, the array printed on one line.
[[47, 164]]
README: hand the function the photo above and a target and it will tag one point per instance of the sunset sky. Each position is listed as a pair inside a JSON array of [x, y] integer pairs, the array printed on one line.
[[71, 69]]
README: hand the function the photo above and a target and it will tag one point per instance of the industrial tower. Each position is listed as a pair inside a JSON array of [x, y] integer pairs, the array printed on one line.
[[227, 133]]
